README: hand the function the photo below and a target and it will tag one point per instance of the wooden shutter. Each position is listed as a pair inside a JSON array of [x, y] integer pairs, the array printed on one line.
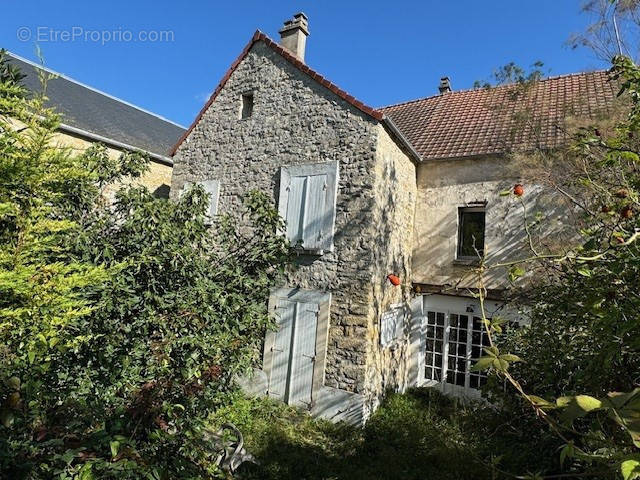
[[212, 187], [392, 326], [296, 209], [308, 204], [281, 350], [295, 354], [316, 211], [303, 354]]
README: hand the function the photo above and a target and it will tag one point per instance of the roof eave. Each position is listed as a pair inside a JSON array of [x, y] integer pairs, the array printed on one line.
[[114, 143], [402, 140]]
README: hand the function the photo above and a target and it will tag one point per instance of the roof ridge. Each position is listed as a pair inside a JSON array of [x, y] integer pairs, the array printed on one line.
[[88, 87], [467, 90]]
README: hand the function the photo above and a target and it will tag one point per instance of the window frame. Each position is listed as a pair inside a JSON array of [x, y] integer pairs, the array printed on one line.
[[330, 169], [459, 236], [446, 354], [243, 103]]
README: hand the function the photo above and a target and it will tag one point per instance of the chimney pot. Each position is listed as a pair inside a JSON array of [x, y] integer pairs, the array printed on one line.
[[445, 85], [294, 33]]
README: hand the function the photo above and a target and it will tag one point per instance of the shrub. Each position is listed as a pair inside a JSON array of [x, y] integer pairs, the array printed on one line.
[[121, 326]]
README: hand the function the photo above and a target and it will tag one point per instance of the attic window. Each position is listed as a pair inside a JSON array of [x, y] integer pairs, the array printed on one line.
[[247, 106]]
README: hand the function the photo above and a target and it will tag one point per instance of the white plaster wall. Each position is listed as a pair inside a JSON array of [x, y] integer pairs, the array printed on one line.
[[446, 185]]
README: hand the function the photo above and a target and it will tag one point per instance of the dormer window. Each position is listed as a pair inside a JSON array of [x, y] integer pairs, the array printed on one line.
[[246, 109]]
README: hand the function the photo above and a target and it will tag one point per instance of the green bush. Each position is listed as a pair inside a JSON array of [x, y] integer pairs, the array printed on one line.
[[122, 326], [417, 435]]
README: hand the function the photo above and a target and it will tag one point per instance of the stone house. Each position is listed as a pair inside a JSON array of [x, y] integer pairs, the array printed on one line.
[[90, 116], [387, 208]]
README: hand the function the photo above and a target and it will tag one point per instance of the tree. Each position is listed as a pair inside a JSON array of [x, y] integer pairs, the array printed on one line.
[[614, 29], [577, 367], [123, 326]]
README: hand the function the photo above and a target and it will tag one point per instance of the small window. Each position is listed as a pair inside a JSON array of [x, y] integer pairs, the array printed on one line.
[[471, 227], [247, 106]]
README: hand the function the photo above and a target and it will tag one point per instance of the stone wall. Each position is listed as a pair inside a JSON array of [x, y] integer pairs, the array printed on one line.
[[297, 121], [445, 185], [157, 179], [395, 188]]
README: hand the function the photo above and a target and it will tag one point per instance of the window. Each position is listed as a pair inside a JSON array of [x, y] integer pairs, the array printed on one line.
[[392, 325], [471, 227], [246, 109], [454, 342], [308, 205], [295, 354], [212, 187]]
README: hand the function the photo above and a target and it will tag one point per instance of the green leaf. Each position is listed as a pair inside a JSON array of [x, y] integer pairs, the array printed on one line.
[[482, 364], [587, 403], [585, 272], [630, 467], [509, 357], [516, 272], [114, 445], [500, 365], [492, 351]]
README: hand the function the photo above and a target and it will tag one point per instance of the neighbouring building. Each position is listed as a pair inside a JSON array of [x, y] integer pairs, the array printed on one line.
[[388, 208], [90, 116]]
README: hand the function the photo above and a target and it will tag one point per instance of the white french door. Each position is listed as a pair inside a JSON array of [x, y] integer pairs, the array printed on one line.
[[453, 343]]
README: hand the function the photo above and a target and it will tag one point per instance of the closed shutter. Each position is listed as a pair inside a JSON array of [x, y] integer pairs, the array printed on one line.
[[212, 187], [316, 212], [303, 354], [295, 355], [295, 209], [281, 350], [392, 326], [308, 204]]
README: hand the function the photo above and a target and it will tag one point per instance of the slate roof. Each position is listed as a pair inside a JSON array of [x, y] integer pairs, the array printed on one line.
[[98, 113], [489, 121]]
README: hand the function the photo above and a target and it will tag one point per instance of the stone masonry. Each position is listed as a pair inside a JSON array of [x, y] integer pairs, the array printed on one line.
[[297, 121]]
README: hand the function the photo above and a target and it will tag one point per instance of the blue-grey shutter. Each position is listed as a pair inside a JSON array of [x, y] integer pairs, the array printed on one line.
[[282, 349], [212, 187], [303, 355], [296, 209], [315, 214], [307, 203]]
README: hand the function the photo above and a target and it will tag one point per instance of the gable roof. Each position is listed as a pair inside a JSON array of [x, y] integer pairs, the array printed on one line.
[[489, 121], [297, 63], [94, 114]]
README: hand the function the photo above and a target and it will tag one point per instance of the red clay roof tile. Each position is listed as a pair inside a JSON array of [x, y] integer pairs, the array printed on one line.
[[488, 121]]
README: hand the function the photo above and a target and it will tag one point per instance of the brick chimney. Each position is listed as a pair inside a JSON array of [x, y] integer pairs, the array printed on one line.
[[445, 85], [294, 33]]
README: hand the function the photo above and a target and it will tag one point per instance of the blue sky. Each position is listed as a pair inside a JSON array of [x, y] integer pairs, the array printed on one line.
[[381, 52]]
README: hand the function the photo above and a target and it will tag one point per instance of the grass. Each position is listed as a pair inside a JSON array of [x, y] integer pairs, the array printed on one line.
[[417, 435]]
